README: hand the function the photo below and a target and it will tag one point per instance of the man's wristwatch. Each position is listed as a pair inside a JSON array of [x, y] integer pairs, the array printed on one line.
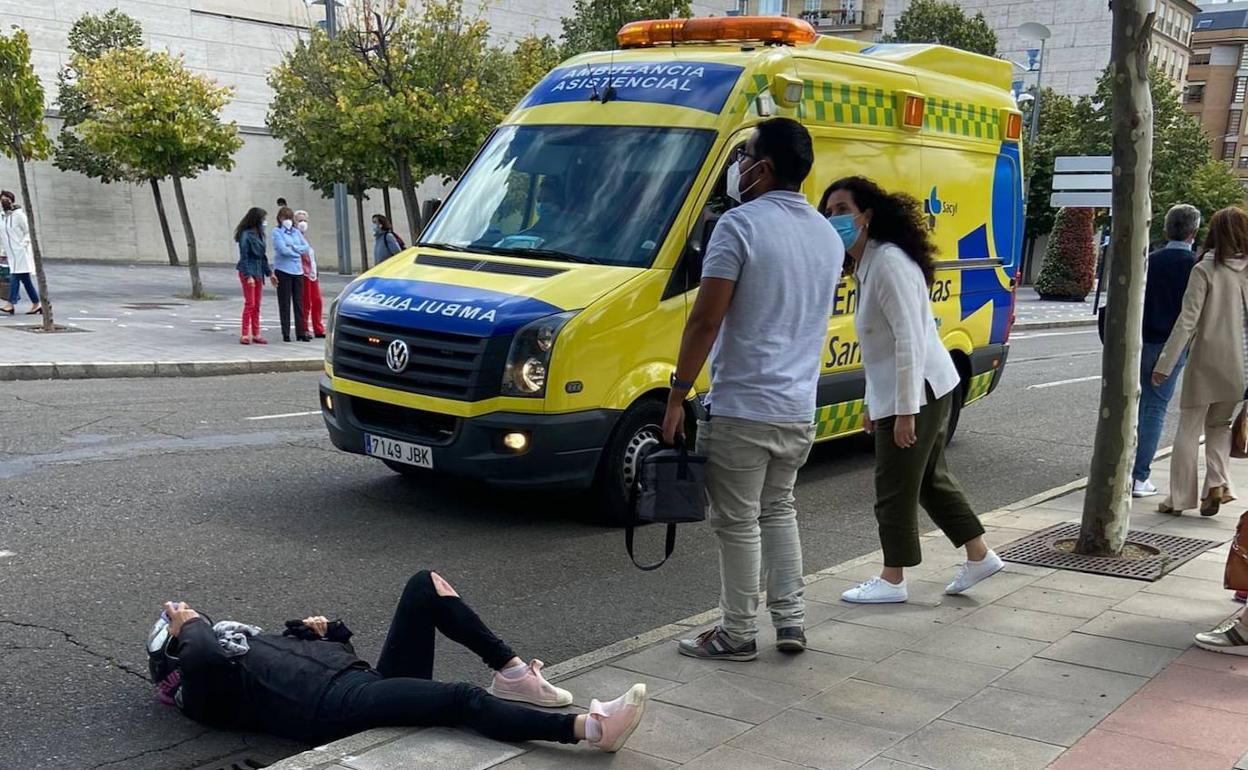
[[685, 385]]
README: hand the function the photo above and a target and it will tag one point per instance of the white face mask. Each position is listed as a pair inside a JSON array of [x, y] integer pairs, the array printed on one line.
[[287, 223], [734, 181], [303, 226]]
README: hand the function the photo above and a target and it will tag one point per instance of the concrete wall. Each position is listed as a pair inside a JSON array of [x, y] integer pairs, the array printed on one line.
[[236, 42]]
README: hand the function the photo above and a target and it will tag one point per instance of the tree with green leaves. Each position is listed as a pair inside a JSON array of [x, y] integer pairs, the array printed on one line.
[[24, 136], [90, 37], [594, 23], [157, 117], [1070, 259], [943, 22]]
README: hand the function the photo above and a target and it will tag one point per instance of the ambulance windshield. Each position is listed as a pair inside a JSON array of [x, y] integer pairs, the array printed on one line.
[[596, 194]]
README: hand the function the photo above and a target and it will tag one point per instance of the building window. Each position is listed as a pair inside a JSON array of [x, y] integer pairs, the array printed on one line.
[[769, 7], [1195, 93], [1200, 57], [814, 5], [1241, 89], [1228, 151], [1243, 158], [1233, 120]]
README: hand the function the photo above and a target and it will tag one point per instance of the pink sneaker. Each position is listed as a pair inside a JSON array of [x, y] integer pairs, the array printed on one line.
[[530, 688], [625, 714]]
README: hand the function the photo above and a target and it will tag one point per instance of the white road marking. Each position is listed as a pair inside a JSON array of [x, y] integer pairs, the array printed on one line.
[[6, 554], [84, 318], [281, 416], [1063, 382], [1037, 335]]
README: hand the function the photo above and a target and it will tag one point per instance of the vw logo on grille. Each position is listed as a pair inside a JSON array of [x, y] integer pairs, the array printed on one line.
[[396, 356]]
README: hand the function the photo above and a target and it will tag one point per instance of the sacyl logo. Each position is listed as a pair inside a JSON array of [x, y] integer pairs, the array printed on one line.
[[934, 207], [396, 356]]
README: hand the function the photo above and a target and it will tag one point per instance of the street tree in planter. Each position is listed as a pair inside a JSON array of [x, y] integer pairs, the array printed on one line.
[[157, 117], [90, 37], [942, 21], [24, 136], [1070, 259]]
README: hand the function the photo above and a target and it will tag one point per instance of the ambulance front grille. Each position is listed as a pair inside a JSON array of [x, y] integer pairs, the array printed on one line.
[[453, 366]]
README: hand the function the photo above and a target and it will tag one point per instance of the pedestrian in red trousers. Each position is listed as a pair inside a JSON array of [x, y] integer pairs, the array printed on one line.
[[253, 268], [311, 281]]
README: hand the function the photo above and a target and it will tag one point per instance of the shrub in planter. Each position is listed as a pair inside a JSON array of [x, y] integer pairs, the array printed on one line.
[[1070, 259]]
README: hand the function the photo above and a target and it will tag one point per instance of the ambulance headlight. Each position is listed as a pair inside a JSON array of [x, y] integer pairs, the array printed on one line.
[[528, 361], [333, 322]]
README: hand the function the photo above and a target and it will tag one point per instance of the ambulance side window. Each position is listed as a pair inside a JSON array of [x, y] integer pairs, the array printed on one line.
[[689, 269]]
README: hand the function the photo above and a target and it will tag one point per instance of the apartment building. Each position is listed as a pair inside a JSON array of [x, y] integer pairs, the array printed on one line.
[[858, 19], [1218, 79]]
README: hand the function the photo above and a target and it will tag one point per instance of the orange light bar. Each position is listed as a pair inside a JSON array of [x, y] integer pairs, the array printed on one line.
[[912, 115], [1014, 126], [761, 29]]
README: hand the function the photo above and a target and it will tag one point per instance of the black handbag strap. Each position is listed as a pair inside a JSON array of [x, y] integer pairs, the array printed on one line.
[[668, 547]]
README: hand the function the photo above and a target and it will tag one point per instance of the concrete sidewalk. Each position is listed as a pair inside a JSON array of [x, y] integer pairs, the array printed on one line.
[[134, 321], [1033, 313], [1034, 668]]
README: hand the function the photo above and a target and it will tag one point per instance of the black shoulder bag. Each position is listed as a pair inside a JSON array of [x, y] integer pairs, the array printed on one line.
[[670, 489]]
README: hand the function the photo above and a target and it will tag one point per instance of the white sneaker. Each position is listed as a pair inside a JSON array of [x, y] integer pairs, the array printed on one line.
[[877, 590], [1143, 488], [971, 572]]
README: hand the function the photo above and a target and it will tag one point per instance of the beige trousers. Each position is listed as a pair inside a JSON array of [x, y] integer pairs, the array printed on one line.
[[1214, 420]]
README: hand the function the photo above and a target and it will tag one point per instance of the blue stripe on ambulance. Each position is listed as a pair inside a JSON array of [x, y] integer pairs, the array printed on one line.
[[441, 307], [697, 85]]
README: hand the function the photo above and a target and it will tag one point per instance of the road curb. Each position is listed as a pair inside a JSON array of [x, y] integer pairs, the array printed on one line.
[[357, 744], [90, 370], [1067, 323]]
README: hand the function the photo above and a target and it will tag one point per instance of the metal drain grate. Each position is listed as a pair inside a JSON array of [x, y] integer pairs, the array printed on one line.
[[1038, 549], [244, 761]]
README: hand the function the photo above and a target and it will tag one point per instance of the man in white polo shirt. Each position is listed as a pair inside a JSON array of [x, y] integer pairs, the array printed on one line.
[[768, 281]]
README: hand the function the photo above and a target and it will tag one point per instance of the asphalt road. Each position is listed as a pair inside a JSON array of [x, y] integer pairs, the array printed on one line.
[[119, 494]]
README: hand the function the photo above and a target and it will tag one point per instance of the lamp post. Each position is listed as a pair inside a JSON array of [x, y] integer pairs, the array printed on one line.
[[1034, 31], [342, 230]]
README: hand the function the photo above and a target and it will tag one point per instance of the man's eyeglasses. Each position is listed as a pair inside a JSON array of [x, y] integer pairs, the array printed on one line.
[[739, 153]]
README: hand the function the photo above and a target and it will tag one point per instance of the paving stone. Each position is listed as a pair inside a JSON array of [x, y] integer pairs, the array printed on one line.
[[1056, 602], [728, 758], [876, 705], [1182, 587], [1111, 654], [679, 734], [1068, 682], [1072, 501], [909, 619], [435, 748], [745, 698], [1200, 687], [662, 660], [1103, 750], [855, 641], [948, 746], [1028, 569], [884, 763], [555, 756], [829, 589], [1012, 621], [1192, 609], [961, 642], [1028, 716], [1213, 661], [1202, 569], [1140, 628], [816, 741], [606, 682], [1091, 585], [1181, 724], [812, 669], [987, 591], [911, 670]]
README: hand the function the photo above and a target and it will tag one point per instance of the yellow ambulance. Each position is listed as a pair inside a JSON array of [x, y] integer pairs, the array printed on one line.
[[528, 339]]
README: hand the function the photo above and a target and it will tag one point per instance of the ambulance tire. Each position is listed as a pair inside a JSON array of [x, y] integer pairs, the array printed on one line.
[[955, 411], [637, 429]]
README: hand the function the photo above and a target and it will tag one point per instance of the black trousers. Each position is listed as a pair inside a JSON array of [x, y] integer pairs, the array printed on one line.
[[290, 292], [399, 692]]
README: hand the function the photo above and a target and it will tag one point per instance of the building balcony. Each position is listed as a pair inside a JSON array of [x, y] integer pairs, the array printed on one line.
[[841, 20]]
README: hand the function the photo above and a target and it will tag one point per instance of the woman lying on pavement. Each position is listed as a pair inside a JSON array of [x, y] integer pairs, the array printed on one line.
[[307, 683]]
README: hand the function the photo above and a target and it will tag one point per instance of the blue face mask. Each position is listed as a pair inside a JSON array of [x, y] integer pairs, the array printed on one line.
[[376, 229], [845, 227]]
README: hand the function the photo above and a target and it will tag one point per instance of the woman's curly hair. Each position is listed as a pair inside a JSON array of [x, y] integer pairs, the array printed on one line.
[[896, 218]]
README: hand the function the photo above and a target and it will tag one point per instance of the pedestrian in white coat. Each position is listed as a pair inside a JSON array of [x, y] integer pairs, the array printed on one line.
[[15, 242]]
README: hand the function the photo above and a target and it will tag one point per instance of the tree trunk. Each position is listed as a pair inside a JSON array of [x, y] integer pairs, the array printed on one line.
[[40, 278], [385, 200], [1107, 505], [192, 254], [411, 205], [164, 222], [359, 218]]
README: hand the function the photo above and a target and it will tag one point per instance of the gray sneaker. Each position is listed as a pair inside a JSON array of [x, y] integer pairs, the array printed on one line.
[[714, 645], [791, 639]]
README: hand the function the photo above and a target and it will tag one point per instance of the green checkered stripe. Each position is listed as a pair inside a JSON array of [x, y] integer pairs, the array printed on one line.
[[838, 419], [856, 105], [745, 100], [980, 385], [963, 119]]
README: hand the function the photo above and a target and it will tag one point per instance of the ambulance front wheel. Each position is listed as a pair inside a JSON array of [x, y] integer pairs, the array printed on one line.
[[639, 428]]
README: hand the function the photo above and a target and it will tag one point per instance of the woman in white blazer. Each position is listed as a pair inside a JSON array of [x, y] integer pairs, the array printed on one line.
[[911, 384], [15, 243]]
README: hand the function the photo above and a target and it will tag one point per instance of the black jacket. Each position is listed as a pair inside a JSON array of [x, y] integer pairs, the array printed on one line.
[[275, 687], [1168, 271]]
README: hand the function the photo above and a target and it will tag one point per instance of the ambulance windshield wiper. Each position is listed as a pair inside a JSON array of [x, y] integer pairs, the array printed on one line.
[[442, 246], [555, 254]]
